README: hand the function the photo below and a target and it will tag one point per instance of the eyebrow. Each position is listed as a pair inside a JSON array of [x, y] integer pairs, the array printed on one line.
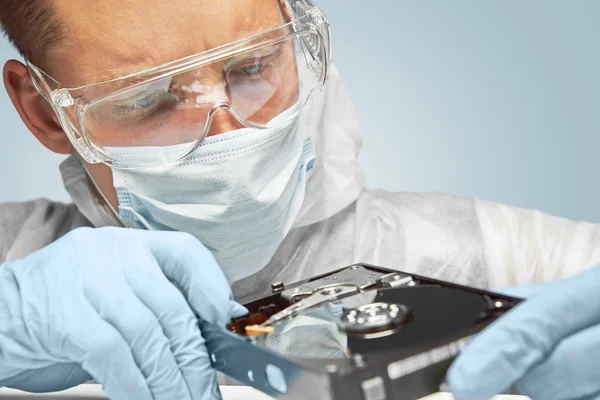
[[131, 65]]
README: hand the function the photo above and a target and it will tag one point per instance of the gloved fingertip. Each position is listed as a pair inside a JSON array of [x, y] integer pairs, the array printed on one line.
[[458, 384], [464, 383], [468, 379], [464, 393], [238, 310]]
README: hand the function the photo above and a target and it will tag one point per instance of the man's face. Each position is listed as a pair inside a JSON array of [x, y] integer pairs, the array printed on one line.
[[113, 38]]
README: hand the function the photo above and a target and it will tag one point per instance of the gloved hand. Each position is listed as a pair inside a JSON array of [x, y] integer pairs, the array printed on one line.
[[118, 304], [549, 346]]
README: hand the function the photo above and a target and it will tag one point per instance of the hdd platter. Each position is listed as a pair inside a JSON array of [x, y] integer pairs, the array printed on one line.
[[362, 332]]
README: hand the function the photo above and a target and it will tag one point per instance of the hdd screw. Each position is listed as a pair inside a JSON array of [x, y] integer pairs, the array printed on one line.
[[358, 361], [331, 368], [277, 287]]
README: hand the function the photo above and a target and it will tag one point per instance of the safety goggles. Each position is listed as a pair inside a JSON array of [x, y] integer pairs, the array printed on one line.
[[255, 79]]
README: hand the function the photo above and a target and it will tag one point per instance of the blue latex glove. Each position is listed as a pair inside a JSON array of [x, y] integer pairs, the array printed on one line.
[[118, 304], [549, 346]]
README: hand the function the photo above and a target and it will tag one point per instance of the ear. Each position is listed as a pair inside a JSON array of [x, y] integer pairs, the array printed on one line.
[[34, 110]]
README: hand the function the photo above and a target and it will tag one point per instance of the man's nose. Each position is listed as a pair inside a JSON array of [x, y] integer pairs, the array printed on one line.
[[223, 121]]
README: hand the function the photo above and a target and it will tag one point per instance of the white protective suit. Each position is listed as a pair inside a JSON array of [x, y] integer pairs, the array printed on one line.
[[463, 240]]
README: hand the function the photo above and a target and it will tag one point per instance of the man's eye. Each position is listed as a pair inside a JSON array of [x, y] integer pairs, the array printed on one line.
[[147, 101], [252, 69], [146, 104]]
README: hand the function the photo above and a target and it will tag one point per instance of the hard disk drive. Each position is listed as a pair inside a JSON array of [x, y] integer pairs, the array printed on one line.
[[359, 333]]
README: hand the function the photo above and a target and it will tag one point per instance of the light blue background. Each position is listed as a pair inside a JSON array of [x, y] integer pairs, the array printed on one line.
[[497, 100]]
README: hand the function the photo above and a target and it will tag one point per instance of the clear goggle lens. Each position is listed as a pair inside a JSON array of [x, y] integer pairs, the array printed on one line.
[[255, 86]]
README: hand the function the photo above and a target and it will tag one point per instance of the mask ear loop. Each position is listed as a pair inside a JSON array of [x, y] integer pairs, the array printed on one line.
[[107, 204]]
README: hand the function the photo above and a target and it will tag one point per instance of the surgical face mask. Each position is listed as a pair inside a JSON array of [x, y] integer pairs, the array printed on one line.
[[238, 192]]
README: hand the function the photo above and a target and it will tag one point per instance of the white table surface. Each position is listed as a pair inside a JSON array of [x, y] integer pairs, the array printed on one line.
[[94, 392]]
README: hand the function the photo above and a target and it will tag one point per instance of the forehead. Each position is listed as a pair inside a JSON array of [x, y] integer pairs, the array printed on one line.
[[111, 38]]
